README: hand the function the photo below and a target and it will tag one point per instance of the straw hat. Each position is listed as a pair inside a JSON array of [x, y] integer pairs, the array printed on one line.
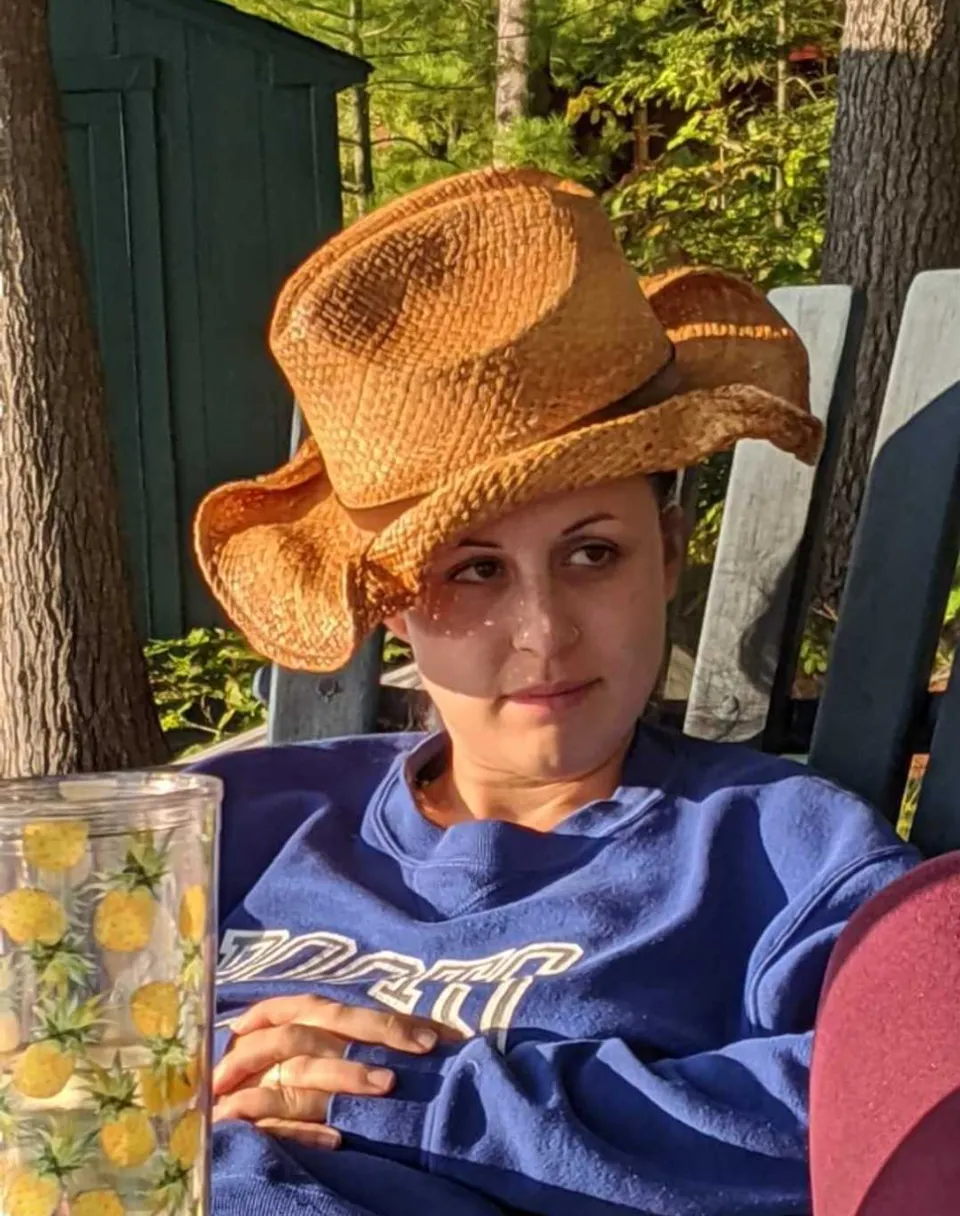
[[477, 344]]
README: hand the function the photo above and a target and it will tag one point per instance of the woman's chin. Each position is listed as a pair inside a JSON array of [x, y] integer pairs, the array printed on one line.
[[554, 752]]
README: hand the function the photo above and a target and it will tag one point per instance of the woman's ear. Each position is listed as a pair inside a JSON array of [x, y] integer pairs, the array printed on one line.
[[674, 528], [398, 626]]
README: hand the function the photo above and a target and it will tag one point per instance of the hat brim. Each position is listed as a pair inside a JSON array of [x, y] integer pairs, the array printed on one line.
[[305, 582]]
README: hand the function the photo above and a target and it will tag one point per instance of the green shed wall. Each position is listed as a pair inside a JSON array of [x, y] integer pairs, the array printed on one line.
[[202, 146]]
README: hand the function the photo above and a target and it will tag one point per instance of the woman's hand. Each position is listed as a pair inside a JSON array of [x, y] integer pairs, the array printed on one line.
[[286, 1061]]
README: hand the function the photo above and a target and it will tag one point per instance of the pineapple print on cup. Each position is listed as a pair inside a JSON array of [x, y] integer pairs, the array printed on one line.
[[126, 1135], [125, 915], [30, 916], [169, 1082], [64, 1028], [103, 1202], [186, 1139], [56, 847], [11, 1031], [155, 1010], [61, 967], [105, 930], [54, 1155], [171, 1078], [192, 930]]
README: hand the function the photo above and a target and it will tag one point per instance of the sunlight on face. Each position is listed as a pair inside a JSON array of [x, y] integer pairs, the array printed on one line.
[[540, 637]]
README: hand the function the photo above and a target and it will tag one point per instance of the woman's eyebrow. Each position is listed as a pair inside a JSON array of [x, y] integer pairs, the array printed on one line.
[[470, 542], [599, 518]]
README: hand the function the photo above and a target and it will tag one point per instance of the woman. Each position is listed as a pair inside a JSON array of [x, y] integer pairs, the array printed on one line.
[[545, 961]]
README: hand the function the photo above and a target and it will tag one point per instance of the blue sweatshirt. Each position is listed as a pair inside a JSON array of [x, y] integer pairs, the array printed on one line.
[[637, 988]]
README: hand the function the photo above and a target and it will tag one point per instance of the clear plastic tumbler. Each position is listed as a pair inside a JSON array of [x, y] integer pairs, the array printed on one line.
[[107, 957]]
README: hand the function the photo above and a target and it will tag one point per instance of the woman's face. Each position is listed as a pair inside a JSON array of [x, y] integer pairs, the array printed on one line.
[[540, 637]]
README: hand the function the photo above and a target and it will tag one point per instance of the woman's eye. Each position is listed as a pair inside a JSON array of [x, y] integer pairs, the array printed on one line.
[[592, 556], [480, 571]]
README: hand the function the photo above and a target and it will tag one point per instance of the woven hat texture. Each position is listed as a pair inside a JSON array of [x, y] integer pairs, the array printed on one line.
[[478, 344]]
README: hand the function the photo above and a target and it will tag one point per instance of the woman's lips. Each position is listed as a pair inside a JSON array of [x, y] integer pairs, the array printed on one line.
[[553, 698]]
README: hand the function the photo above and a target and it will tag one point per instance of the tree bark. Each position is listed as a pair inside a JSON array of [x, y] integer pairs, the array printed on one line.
[[513, 66], [360, 106], [74, 693], [893, 209], [783, 75]]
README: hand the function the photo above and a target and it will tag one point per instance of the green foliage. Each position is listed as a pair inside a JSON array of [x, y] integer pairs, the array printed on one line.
[[667, 107], [702, 545], [395, 651], [815, 647], [739, 179], [711, 199], [202, 686]]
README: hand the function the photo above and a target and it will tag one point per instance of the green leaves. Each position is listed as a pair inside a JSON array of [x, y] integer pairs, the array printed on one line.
[[667, 107], [202, 685]]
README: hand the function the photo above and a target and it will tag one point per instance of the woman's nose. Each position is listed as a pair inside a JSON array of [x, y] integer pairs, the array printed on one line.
[[543, 624]]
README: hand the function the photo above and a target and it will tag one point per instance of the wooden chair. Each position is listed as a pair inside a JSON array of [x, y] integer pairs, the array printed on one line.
[[876, 711]]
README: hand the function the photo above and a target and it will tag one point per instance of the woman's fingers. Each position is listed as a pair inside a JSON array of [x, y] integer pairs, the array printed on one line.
[[263, 1102], [332, 1076], [255, 1053], [299, 1090], [313, 1135], [351, 1022]]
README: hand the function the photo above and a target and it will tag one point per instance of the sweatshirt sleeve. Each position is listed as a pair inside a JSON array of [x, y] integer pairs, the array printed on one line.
[[575, 1126]]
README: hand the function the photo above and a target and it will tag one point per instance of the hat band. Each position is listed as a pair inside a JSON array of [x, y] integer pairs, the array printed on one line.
[[663, 384]]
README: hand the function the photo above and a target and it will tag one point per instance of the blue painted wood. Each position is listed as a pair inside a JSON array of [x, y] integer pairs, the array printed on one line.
[[936, 824], [95, 146], [219, 173], [162, 534], [180, 238], [242, 393], [876, 693], [82, 27], [104, 74], [298, 60], [890, 620]]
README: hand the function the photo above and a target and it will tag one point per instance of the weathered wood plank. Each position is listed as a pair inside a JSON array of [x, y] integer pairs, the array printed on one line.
[[305, 706], [756, 581], [900, 574], [926, 361]]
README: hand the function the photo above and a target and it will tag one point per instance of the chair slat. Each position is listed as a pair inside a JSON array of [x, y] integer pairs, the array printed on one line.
[[305, 706], [936, 825], [900, 573], [756, 578]]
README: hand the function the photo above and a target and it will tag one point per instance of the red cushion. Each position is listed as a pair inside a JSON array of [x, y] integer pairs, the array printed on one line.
[[885, 1086]]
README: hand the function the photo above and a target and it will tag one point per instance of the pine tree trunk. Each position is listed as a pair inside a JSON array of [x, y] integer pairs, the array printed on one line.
[[74, 694], [513, 66], [360, 106], [894, 205]]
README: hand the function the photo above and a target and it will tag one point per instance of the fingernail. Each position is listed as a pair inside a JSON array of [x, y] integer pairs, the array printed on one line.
[[425, 1038], [380, 1078], [330, 1138]]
